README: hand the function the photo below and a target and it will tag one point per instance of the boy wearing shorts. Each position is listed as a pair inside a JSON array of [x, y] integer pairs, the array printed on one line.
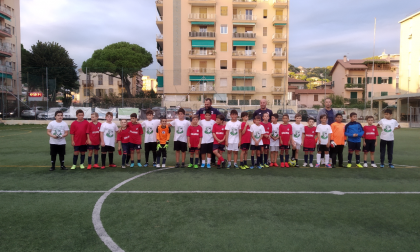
[[194, 134], [123, 139], [354, 132], [298, 130], [207, 140], [150, 126], [286, 139], [257, 146], [338, 140], [163, 134], [108, 131], [93, 140], [274, 140], [370, 142], [245, 140], [233, 138], [79, 138], [219, 136], [324, 137], [136, 131], [266, 139], [180, 138], [388, 126], [57, 130], [309, 142]]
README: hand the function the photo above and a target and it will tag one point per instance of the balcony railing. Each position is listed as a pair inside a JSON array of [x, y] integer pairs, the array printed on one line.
[[159, 18], [243, 88], [201, 88], [243, 17], [244, 1], [199, 70], [87, 83], [159, 36], [159, 54], [243, 71], [159, 89], [244, 53], [279, 36], [280, 1], [6, 29], [159, 71], [244, 35], [159, 1], [350, 85], [6, 47], [194, 34], [280, 89], [5, 10], [202, 52], [279, 54], [201, 16], [278, 71], [6, 69], [279, 18]]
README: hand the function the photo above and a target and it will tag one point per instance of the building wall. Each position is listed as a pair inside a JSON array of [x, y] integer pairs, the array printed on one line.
[[410, 55], [309, 99], [149, 83]]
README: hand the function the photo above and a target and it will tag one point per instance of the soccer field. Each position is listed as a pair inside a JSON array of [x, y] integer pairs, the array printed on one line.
[[144, 209]]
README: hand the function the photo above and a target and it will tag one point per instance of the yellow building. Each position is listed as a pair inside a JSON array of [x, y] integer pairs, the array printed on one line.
[[233, 51], [149, 84]]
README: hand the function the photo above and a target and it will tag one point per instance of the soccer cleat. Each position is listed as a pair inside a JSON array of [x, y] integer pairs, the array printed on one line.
[[73, 167], [243, 167], [154, 164], [349, 165], [304, 165], [365, 165], [382, 166], [391, 166], [246, 166], [228, 166], [328, 166], [103, 167], [112, 165], [286, 165], [123, 166], [195, 166], [190, 166], [271, 164], [139, 164], [276, 165], [158, 166], [333, 165], [341, 165], [311, 165], [317, 165], [96, 166], [260, 167], [63, 168], [359, 165], [146, 164], [374, 165], [223, 164], [251, 167], [282, 165], [236, 166], [89, 167], [203, 165], [163, 165], [265, 165], [127, 164], [297, 165], [52, 169], [182, 165], [177, 166], [132, 165], [208, 166], [82, 166]]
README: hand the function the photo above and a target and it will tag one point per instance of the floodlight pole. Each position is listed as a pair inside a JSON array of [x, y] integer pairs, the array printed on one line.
[[122, 87], [46, 70], [2, 94], [373, 71]]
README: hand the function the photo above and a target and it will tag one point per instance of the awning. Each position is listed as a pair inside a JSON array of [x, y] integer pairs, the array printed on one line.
[[5, 55], [160, 81], [243, 77], [159, 47], [201, 78], [280, 24], [243, 23], [243, 43], [4, 16], [7, 76], [203, 43], [202, 23]]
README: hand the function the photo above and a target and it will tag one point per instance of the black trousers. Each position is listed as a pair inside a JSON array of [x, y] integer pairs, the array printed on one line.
[[150, 147], [337, 151], [384, 146], [162, 151]]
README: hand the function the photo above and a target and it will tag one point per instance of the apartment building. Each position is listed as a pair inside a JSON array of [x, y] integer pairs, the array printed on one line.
[[234, 51], [10, 58], [149, 84]]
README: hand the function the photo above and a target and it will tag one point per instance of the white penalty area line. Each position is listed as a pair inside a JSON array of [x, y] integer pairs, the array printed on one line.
[[204, 192]]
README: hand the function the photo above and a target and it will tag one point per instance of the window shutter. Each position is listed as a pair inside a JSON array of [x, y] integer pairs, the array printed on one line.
[[264, 66], [390, 80], [374, 80], [359, 80], [370, 94], [379, 80], [224, 10], [364, 81], [264, 31], [223, 46], [348, 80]]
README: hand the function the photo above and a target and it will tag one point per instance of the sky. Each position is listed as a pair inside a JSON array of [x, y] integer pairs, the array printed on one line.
[[321, 31]]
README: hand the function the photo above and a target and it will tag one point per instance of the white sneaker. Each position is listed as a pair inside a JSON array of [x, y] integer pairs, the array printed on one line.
[[365, 165], [374, 165], [311, 165], [158, 165], [330, 161], [304, 165], [163, 165], [322, 161]]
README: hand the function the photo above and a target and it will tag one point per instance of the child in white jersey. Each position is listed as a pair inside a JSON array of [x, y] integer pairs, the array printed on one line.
[[233, 138], [57, 130], [207, 141], [388, 126], [274, 140], [150, 141], [298, 131], [180, 139], [108, 131]]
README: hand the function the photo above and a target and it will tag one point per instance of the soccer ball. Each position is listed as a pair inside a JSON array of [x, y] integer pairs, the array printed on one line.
[[292, 163]]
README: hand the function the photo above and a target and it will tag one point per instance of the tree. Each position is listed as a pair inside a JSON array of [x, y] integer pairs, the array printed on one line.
[[294, 69], [61, 68], [292, 75], [121, 60]]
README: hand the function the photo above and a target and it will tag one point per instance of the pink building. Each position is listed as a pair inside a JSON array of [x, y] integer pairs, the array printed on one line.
[[311, 97]]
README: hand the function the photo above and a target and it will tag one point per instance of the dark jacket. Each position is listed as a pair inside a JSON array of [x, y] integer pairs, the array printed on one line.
[[354, 128]]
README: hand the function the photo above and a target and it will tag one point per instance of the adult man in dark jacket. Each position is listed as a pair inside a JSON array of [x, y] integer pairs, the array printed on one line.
[[331, 113], [263, 110]]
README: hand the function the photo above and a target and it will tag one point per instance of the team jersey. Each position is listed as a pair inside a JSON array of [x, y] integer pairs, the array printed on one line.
[[78, 129], [275, 132], [163, 134], [94, 133], [136, 130], [195, 133], [181, 128], [268, 130], [58, 129], [338, 135], [298, 130], [109, 130], [220, 132], [310, 135], [246, 138], [285, 132], [150, 129], [371, 132], [207, 127], [257, 132], [324, 131], [388, 127], [233, 128], [124, 136]]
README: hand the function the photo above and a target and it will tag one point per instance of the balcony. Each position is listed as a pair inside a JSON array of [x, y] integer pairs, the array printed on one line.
[[201, 17], [279, 55], [159, 40], [281, 4], [202, 71], [159, 90], [244, 18], [354, 87], [243, 89], [245, 3], [280, 20], [5, 31], [279, 38], [6, 50], [5, 13], [159, 7], [278, 72], [202, 2], [6, 69], [244, 55], [159, 55], [202, 89], [201, 35], [244, 71], [202, 54], [244, 36], [159, 23], [87, 83], [277, 90], [159, 72]]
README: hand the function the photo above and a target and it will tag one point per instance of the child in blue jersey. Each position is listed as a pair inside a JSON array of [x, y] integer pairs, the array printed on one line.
[[354, 132]]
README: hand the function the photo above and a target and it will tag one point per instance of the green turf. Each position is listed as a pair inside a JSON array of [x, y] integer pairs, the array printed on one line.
[[205, 222]]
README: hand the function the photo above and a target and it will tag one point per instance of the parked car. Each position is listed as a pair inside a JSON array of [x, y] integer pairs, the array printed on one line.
[[290, 112], [344, 115], [32, 113], [51, 113], [158, 112], [228, 118], [308, 113], [171, 113], [188, 113]]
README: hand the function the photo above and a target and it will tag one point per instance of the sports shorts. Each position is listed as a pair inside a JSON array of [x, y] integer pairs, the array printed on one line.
[[354, 146], [107, 148], [256, 147], [308, 149], [134, 146], [322, 148], [93, 147], [266, 146], [220, 147], [285, 147], [57, 149], [194, 149], [81, 148], [180, 146], [125, 148], [233, 147], [370, 145], [298, 146], [206, 148], [274, 148], [245, 146]]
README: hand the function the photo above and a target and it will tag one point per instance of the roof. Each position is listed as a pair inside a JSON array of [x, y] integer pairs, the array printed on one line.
[[405, 19], [297, 81], [292, 87], [350, 64], [314, 91]]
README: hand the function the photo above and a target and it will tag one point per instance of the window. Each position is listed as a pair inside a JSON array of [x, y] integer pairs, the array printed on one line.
[[370, 94], [265, 13], [384, 93], [220, 98], [316, 97], [353, 95], [385, 81], [265, 48], [110, 80], [223, 46], [223, 82], [86, 91], [223, 64], [264, 31], [264, 66], [264, 83], [223, 29], [264, 97], [100, 79], [234, 83], [203, 28], [100, 92], [224, 11], [110, 91]]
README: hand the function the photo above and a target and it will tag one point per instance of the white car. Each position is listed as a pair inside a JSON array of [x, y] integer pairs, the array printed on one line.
[[50, 115]]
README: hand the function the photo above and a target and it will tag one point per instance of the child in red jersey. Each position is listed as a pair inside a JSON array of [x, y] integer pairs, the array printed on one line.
[[93, 140], [123, 139], [136, 131], [194, 134], [245, 140], [309, 142], [286, 138], [219, 140], [370, 141], [266, 138], [78, 131]]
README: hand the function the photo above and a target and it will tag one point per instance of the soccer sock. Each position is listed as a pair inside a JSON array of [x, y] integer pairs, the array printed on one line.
[[372, 162], [350, 157], [265, 158], [293, 154], [203, 161], [82, 159], [128, 159], [209, 160], [111, 157], [327, 159], [89, 160], [252, 160], [318, 158], [96, 158], [357, 159], [61, 157], [154, 156], [124, 156], [242, 164], [306, 158], [164, 160], [311, 158], [75, 159], [147, 156], [245, 162], [197, 161], [229, 163], [191, 160], [287, 158], [366, 162], [132, 161], [281, 158], [53, 159], [158, 160], [103, 158]]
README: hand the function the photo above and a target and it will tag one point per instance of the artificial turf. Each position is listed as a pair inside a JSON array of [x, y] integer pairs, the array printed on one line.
[[205, 222]]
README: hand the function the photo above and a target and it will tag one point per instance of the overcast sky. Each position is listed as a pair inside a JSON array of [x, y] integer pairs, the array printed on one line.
[[321, 31]]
